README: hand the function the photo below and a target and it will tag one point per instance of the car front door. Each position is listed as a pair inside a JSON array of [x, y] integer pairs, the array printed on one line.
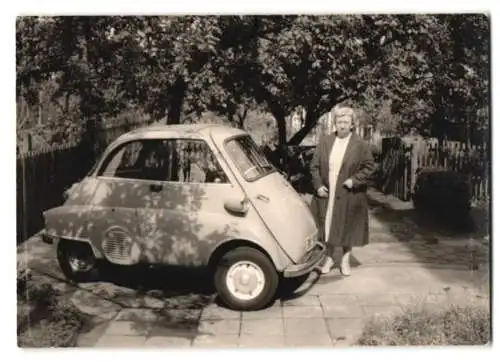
[[186, 217], [161, 201]]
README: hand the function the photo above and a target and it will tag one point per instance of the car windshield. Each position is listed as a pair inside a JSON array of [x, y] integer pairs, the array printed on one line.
[[249, 160]]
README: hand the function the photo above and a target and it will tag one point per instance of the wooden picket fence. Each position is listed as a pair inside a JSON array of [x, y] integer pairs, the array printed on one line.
[[42, 178], [401, 162], [395, 171], [473, 161]]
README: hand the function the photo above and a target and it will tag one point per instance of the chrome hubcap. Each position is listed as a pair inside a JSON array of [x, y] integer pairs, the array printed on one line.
[[245, 280], [81, 262]]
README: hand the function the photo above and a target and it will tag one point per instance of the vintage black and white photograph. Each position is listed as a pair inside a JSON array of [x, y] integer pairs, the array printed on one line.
[[253, 181]]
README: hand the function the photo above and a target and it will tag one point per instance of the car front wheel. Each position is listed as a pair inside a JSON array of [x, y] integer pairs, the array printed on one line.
[[246, 279]]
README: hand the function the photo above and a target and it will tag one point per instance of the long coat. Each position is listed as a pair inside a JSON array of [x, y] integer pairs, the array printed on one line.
[[349, 226]]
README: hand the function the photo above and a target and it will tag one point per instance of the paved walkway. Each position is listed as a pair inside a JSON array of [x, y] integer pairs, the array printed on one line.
[[328, 311]]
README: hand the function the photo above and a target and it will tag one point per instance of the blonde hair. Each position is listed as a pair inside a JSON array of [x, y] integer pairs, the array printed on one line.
[[341, 110]]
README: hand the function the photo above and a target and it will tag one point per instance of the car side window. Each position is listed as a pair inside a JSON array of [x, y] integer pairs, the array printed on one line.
[[175, 160], [142, 160], [198, 164]]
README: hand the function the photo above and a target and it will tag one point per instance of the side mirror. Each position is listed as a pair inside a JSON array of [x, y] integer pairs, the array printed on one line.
[[236, 205]]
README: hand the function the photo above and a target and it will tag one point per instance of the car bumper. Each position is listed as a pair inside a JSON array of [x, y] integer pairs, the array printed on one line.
[[46, 238], [311, 261]]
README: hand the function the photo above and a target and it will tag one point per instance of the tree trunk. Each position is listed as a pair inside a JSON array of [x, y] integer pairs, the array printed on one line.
[[281, 150], [241, 118], [176, 100], [86, 101], [66, 103], [230, 118], [281, 123]]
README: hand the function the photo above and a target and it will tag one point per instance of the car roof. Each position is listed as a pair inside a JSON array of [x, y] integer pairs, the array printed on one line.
[[159, 130]]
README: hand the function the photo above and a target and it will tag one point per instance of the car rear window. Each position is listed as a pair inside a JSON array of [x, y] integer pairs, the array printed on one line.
[[249, 159]]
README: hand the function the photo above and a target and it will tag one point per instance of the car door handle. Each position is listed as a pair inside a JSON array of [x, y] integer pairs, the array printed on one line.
[[155, 188]]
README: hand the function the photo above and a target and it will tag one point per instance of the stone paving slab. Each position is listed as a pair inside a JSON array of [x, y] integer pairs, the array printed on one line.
[[305, 326], [93, 305], [387, 279], [128, 328], [262, 341], [271, 326], [275, 311], [303, 312], [94, 330], [137, 314], [327, 300], [169, 337], [344, 328], [381, 310], [168, 342], [303, 301], [343, 311], [378, 299], [214, 327], [179, 319], [308, 341], [213, 341], [213, 312], [118, 341]]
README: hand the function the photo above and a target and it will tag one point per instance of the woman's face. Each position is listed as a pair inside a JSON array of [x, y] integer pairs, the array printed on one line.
[[343, 125]]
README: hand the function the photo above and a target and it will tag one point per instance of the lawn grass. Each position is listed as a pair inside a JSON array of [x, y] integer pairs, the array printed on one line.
[[428, 324]]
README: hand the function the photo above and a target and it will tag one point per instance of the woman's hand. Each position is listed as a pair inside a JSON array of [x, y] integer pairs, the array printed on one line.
[[323, 191], [348, 184]]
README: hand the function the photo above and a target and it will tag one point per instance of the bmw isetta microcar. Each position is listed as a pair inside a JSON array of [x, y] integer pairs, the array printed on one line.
[[189, 195]]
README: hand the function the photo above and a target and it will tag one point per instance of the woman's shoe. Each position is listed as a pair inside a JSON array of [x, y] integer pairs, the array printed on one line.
[[345, 267], [328, 265]]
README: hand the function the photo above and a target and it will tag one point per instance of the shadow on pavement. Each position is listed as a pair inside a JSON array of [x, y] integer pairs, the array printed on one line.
[[301, 290], [179, 287], [159, 302], [476, 224], [420, 238]]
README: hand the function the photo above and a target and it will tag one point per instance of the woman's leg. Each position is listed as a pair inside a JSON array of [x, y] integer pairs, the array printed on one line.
[[345, 266], [329, 262]]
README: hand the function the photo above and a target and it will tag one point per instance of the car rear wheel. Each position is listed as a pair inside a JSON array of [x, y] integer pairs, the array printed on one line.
[[76, 260], [245, 279]]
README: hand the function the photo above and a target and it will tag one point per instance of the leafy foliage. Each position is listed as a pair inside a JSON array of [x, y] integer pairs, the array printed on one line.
[[427, 69], [436, 74]]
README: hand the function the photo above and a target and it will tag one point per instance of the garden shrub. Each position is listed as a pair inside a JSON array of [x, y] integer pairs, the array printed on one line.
[[376, 152], [444, 194], [23, 276], [420, 325], [299, 163], [46, 318]]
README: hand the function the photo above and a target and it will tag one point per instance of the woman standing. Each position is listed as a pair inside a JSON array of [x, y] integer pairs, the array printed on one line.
[[341, 168]]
